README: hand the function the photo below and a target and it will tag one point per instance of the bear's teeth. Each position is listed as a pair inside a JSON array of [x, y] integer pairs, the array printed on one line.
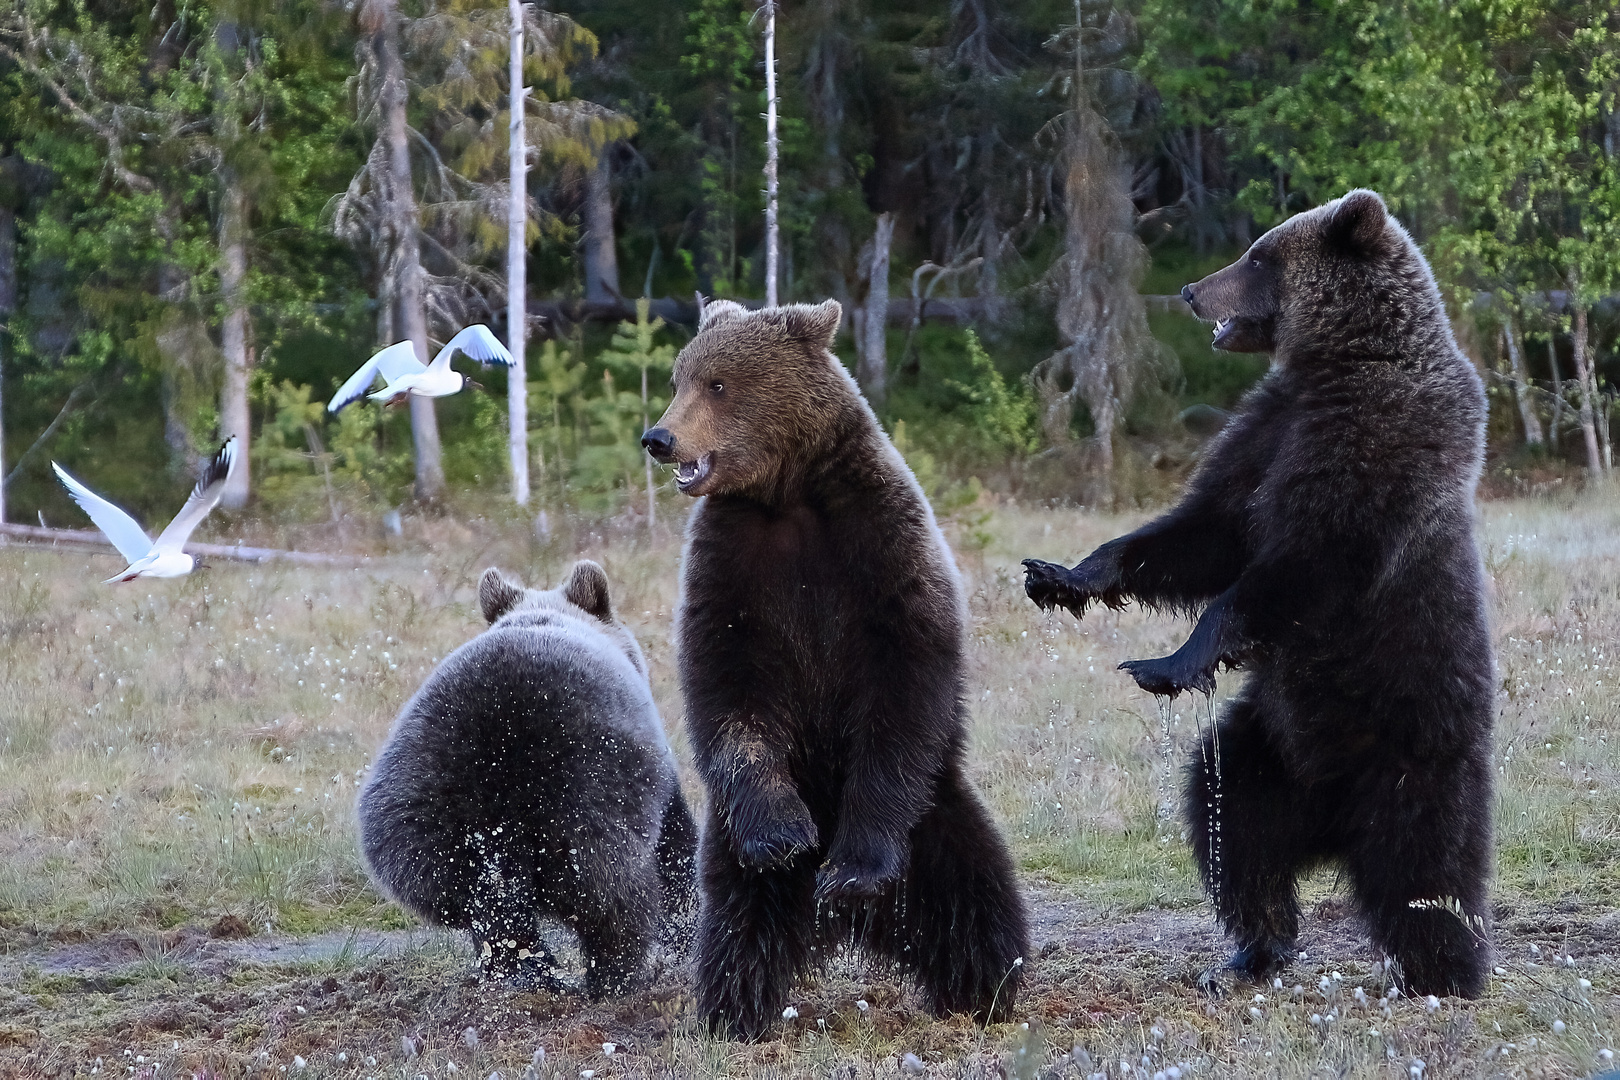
[[688, 473]]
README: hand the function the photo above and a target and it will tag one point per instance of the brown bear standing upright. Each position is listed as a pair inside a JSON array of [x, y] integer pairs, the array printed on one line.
[[1328, 539], [820, 640]]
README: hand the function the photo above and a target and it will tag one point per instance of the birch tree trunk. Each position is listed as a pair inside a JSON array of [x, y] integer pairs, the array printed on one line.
[[601, 254], [1521, 387], [1583, 374], [234, 419], [517, 285], [8, 304], [872, 371], [772, 238], [410, 317]]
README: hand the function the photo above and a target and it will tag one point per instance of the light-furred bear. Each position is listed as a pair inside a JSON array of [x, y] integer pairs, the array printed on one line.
[[820, 640], [529, 777], [1328, 541]]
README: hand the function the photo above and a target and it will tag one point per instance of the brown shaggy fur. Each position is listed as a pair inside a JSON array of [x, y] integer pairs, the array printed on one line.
[[1328, 541], [820, 637], [529, 778]]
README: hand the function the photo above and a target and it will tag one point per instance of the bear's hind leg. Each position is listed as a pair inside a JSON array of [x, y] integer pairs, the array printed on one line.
[[1420, 860], [956, 920], [1252, 829], [616, 931], [677, 857], [501, 914], [756, 930]]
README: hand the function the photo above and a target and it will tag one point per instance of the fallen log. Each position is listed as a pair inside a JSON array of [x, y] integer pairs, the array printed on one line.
[[241, 553]]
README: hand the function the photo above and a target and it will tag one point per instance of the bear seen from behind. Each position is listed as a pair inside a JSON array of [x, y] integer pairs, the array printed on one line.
[[529, 777]]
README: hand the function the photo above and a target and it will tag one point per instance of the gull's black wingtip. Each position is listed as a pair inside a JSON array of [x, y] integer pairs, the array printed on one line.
[[219, 466]]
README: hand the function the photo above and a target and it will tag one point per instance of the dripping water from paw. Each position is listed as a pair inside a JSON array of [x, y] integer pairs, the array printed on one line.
[[1167, 783], [1213, 791]]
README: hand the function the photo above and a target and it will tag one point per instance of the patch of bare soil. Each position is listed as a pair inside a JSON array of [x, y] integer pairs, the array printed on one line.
[[190, 1003]]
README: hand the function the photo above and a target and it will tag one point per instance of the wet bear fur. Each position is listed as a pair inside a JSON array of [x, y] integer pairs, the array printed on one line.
[[1327, 540], [820, 636], [528, 778]]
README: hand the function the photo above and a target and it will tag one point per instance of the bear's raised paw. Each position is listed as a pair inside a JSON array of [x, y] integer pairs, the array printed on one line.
[[1168, 676]]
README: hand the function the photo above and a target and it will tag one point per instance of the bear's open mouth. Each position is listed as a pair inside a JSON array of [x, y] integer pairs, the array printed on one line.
[[688, 474], [1221, 325]]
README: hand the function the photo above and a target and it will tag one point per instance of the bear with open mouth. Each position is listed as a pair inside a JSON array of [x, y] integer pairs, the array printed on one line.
[[820, 638], [1326, 543]]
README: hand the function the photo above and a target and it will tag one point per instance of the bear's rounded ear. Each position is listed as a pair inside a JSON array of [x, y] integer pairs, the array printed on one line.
[[1357, 223], [714, 312], [588, 588], [497, 594], [815, 324]]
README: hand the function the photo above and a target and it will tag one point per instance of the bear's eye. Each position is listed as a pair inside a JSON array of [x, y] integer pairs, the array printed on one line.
[[718, 388]]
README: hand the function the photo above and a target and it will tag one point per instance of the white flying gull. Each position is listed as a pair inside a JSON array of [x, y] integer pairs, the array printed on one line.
[[164, 557], [405, 374]]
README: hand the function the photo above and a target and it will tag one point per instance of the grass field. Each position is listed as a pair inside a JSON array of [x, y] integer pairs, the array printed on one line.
[[180, 893]]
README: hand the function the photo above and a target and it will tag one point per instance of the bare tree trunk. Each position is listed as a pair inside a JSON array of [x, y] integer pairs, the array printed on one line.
[[873, 368], [1100, 314], [772, 239], [646, 422], [1583, 373], [1602, 418], [174, 428], [601, 255], [8, 304], [410, 318], [234, 419], [517, 253], [1558, 392], [1521, 383]]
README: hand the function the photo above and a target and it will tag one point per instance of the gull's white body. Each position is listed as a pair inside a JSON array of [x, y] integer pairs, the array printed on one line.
[[404, 374], [161, 558]]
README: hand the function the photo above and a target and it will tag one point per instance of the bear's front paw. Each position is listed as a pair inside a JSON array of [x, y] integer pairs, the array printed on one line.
[[858, 877], [772, 843], [1053, 586], [1258, 962], [1168, 676], [1094, 581]]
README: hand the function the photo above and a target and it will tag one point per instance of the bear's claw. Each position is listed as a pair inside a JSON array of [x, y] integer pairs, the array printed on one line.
[[1052, 586], [857, 879], [776, 842], [1166, 676], [1258, 962]]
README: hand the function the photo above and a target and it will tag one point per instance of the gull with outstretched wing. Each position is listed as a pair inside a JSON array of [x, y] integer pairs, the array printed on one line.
[[404, 374], [163, 557]]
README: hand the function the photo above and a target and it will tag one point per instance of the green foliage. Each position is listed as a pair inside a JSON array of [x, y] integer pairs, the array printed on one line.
[[611, 462], [947, 495], [1000, 417], [1489, 126], [961, 407], [297, 470]]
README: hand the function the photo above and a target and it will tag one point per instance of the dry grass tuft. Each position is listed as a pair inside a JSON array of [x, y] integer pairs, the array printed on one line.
[[180, 892]]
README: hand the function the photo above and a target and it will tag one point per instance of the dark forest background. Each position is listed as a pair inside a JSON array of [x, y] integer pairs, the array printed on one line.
[[196, 207]]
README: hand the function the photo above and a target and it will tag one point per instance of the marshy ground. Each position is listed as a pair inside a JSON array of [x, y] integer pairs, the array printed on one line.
[[180, 892]]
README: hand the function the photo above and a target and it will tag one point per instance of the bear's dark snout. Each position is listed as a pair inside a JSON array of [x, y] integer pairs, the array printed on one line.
[[660, 443], [1187, 294]]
